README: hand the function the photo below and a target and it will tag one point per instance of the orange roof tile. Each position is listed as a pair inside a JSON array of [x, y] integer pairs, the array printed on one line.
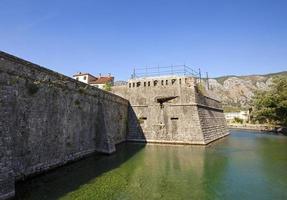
[[101, 80]]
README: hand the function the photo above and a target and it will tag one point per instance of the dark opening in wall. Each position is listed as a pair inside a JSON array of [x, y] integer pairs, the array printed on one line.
[[148, 83], [141, 120], [179, 81], [144, 84], [155, 83], [133, 84], [162, 82], [173, 81], [85, 78], [166, 82], [130, 85], [138, 84], [174, 118]]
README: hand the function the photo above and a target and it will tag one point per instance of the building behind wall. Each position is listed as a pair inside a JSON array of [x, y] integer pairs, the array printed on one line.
[[171, 109], [242, 115], [99, 81]]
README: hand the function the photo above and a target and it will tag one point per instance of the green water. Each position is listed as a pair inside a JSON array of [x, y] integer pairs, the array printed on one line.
[[244, 165]]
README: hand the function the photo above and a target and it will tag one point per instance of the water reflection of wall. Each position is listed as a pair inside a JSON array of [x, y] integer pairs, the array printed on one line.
[[177, 172], [243, 166]]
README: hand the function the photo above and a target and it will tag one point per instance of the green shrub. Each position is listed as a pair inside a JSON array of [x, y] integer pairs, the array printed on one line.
[[271, 106], [108, 87], [201, 88], [238, 120]]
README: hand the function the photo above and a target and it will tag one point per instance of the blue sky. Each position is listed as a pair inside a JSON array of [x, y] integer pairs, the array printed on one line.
[[221, 37]]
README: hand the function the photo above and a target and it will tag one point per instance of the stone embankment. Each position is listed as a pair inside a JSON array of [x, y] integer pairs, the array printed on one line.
[[260, 127]]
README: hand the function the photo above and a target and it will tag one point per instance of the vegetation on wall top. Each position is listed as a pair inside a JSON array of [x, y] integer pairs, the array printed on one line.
[[108, 87]]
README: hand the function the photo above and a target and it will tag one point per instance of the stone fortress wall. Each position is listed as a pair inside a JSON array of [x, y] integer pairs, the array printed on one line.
[[172, 109], [47, 119]]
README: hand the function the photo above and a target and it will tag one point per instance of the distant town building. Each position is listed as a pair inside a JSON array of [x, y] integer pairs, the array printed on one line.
[[98, 82], [243, 115]]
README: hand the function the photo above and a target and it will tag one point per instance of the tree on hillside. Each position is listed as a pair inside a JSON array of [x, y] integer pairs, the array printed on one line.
[[271, 106]]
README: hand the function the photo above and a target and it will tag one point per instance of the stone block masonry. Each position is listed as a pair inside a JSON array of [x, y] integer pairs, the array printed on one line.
[[47, 120], [173, 110]]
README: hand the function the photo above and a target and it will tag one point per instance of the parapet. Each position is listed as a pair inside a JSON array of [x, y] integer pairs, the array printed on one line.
[[167, 81]]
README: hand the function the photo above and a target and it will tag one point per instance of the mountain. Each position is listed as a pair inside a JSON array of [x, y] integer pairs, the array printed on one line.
[[236, 92]]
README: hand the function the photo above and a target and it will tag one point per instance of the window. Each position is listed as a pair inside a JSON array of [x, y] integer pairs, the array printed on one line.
[[130, 85], [144, 84], [85, 78], [77, 78], [162, 82], [173, 81], [133, 84], [166, 82], [148, 83], [138, 84], [179, 81], [174, 118]]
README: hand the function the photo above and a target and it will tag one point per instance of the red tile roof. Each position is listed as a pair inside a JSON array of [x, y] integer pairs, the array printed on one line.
[[101, 80]]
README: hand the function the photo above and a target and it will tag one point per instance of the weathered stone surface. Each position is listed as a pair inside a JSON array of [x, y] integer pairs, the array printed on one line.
[[48, 119], [172, 110]]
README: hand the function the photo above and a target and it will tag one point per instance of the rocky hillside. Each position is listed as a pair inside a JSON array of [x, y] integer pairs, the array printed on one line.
[[237, 91]]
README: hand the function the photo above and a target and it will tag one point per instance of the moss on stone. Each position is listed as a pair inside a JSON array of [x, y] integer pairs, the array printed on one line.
[[32, 88]]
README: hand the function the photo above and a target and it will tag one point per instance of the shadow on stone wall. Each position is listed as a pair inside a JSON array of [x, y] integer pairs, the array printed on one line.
[[103, 141], [50, 119], [58, 182], [135, 132]]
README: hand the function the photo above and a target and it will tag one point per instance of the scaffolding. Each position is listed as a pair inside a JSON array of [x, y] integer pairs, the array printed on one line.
[[178, 70]]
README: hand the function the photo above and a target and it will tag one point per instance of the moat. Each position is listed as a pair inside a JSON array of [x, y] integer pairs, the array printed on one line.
[[244, 165]]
